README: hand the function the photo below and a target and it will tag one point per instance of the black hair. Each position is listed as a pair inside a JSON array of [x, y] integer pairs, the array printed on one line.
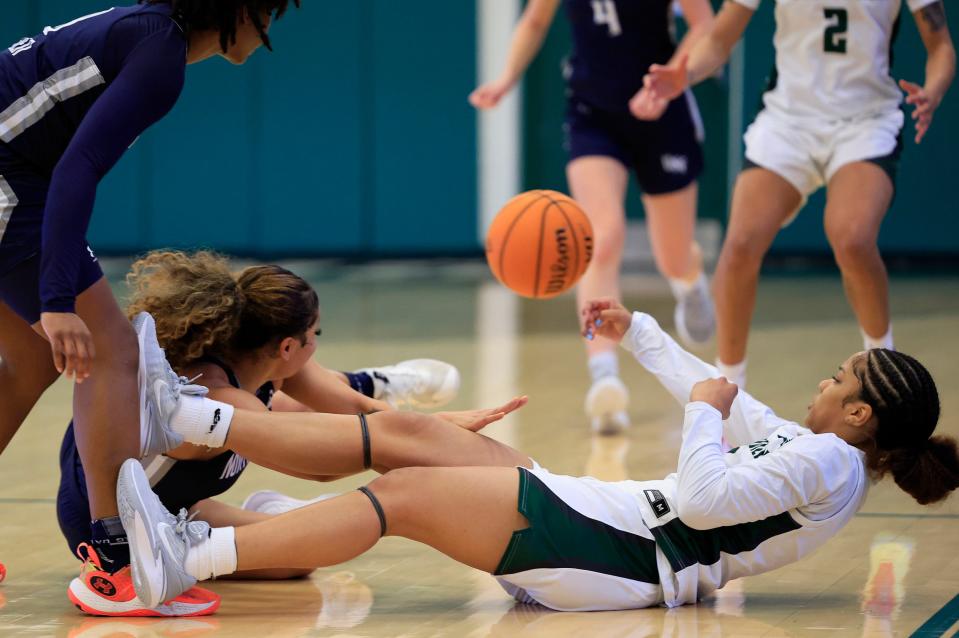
[[224, 15], [905, 402]]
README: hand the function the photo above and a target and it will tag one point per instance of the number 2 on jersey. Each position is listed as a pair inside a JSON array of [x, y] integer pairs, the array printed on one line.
[[604, 12], [834, 39]]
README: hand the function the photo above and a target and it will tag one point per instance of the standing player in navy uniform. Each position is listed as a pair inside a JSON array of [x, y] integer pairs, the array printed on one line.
[[73, 98], [613, 43], [832, 118]]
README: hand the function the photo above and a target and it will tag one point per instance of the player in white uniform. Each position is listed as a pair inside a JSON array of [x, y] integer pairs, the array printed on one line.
[[584, 544], [833, 118]]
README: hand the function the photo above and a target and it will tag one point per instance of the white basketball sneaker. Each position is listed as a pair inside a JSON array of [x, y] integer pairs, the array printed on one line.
[[159, 541], [270, 502], [419, 383], [606, 404], [694, 314]]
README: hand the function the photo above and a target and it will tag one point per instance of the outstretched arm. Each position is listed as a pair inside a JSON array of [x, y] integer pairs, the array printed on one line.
[[711, 52], [321, 390], [749, 420], [527, 40], [940, 64]]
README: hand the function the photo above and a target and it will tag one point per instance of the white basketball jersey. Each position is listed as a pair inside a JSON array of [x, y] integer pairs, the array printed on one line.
[[832, 57]]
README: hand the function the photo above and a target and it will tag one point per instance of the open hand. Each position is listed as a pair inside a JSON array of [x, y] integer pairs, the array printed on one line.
[[924, 105], [667, 82], [476, 420], [71, 343], [604, 317], [718, 393], [646, 105]]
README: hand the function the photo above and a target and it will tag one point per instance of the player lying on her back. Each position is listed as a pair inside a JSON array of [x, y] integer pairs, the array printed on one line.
[[246, 336], [580, 543]]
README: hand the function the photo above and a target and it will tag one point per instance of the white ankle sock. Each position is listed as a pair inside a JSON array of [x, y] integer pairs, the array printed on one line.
[[734, 372], [202, 421], [216, 556], [884, 341], [603, 364], [682, 287]]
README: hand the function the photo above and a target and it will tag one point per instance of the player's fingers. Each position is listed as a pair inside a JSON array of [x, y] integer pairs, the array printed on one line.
[[59, 361], [909, 87], [70, 356], [83, 360]]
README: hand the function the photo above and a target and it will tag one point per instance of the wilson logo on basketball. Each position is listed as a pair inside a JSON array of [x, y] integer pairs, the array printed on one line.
[[559, 270], [102, 585]]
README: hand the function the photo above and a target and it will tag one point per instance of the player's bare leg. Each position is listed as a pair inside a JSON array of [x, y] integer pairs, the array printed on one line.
[[671, 221], [598, 184], [857, 199], [107, 428], [467, 513], [762, 202], [327, 444], [26, 371]]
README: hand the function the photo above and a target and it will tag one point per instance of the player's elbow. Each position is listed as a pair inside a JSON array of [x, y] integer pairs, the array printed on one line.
[[695, 511]]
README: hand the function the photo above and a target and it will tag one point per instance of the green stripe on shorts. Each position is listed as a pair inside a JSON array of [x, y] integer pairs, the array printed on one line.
[[558, 536]]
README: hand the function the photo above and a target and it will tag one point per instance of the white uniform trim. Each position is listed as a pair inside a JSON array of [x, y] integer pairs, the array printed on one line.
[[8, 201], [39, 100]]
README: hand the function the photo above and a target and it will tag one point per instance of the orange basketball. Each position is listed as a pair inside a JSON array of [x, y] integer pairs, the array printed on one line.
[[539, 244]]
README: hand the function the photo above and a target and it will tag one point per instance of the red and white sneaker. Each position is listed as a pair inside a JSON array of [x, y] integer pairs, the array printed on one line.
[[100, 593]]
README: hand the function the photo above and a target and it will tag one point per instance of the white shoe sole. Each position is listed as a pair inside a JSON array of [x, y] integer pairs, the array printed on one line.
[[97, 605], [146, 560]]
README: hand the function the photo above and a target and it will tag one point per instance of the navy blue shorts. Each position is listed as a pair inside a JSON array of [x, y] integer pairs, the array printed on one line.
[[23, 195], [73, 504], [666, 155]]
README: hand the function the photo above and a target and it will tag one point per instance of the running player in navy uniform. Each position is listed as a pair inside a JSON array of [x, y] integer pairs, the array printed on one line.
[[614, 41], [249, 338], [73, 98]]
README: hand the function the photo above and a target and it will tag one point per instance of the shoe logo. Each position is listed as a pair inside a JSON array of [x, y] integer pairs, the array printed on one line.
[[103, 586], [216, 419], [382, 377]]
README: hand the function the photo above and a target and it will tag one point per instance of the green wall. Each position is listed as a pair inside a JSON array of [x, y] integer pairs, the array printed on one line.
[[354, 138]]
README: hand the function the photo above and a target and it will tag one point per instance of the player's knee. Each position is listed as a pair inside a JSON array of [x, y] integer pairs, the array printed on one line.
[[740, 251], [396, 492], [608, 246], [121, 352], [852, 246]]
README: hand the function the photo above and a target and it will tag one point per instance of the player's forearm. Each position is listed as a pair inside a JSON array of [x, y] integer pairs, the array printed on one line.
[[527, 40], [690, 40], [940, 71], [706, 56]]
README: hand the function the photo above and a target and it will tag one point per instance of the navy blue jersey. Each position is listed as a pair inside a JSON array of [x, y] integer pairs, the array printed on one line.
[[73, 98], [614, 43]]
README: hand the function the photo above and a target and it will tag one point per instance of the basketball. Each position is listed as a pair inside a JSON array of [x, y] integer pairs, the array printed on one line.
[[539, 244]]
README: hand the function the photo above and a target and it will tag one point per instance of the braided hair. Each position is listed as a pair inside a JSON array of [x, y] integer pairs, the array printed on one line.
[[905, 401], [223, 16]]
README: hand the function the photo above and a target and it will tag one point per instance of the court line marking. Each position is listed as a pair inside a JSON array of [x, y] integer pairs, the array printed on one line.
[[940, 622], [900, 515]]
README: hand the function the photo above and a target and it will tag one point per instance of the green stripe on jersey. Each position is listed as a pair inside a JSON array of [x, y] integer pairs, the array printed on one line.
[[684, 546]]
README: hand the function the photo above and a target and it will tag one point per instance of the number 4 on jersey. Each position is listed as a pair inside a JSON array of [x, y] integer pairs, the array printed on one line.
[[604, 12]]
